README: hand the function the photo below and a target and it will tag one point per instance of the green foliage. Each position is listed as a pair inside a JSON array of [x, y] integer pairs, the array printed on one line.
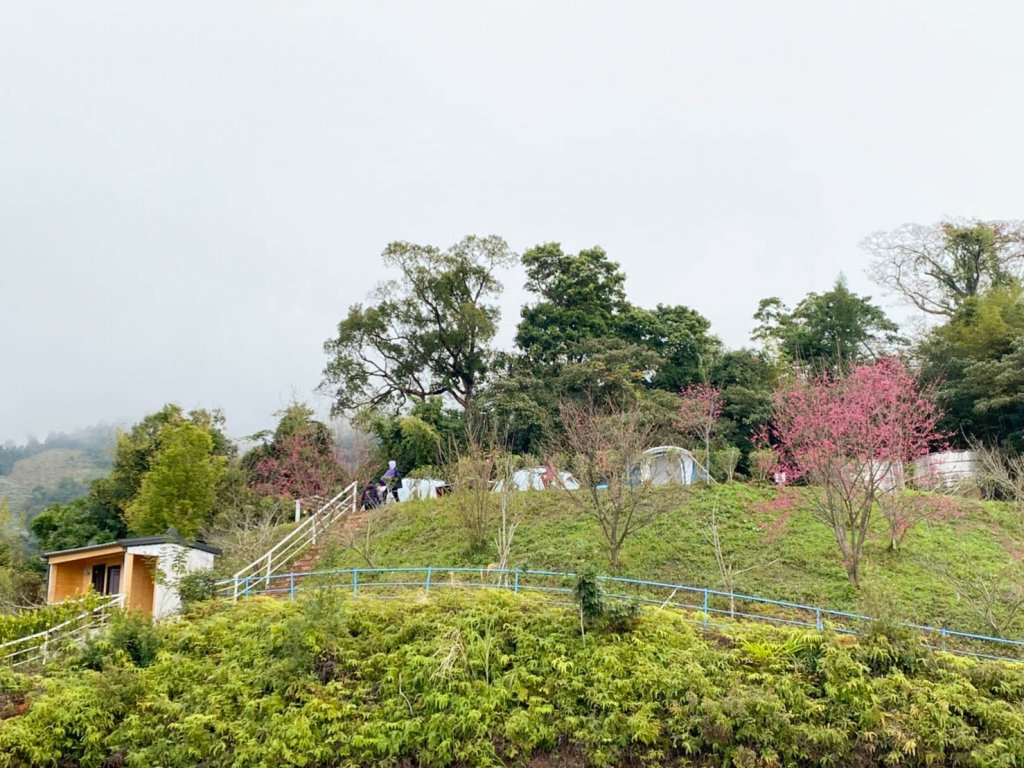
[[79, 523], [827, 332], [589, 596], [724, 462], [939, 268], [977, 360], [196, 587], [427, 333], [21, 578], [101, 515], [130, 638], [28, 622], [180, 488], [488, 679], [597, 612], [417, 439], [746, 380], [582, 301]]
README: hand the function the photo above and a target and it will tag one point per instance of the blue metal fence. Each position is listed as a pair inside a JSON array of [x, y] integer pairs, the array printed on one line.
[[709, 607]]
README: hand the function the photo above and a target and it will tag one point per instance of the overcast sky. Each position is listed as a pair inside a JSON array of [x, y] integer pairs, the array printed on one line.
[[193, 193]]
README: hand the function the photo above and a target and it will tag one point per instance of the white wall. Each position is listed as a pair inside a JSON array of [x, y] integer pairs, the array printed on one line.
[[173, 561]]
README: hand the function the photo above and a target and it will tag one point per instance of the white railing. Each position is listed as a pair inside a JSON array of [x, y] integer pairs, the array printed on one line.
[[295, 543], [45, 645]]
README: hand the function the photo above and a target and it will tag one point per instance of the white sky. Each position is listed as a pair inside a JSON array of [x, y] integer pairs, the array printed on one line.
[[193, 193]]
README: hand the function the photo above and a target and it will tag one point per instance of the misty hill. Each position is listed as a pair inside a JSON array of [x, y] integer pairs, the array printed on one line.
[[37, 474]]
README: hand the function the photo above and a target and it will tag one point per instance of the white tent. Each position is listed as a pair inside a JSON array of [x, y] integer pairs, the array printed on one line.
[[533, 479], [668, 464]]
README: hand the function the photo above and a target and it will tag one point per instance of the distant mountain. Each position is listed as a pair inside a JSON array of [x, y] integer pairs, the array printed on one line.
[[37, 474]]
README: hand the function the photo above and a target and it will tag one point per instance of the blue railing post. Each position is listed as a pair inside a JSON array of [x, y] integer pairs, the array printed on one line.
[[705, 607], [515, 586], [817, 620], [355, 582], [248, 585], [291, 584], [942, 637], [429, 568]]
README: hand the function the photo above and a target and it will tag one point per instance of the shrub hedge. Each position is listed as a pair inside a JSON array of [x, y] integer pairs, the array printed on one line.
[[491, 679]]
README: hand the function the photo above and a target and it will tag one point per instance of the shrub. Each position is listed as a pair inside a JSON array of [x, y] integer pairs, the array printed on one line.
[[196, 587], [725, 462], [129, 638]]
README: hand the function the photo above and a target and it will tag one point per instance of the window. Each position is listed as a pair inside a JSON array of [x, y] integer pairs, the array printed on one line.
[[99, 579], [106, 579], [113, 580]]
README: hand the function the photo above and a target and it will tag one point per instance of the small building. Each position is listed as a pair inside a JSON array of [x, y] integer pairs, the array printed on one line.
[[145, 570]]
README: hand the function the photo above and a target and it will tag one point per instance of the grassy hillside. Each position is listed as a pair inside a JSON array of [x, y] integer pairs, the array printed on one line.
[[497, 679], [793, 556], [54, 475]]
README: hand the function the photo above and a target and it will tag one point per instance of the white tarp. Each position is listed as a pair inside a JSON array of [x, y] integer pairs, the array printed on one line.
[[419, 488], [533, 479]]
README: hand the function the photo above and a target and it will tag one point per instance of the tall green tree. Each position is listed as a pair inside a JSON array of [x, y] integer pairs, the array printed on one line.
[[427, 332], [976, 360], [747, 380], [680, 339], [180, 489], [827, 332], [581, 299], [938, 268]]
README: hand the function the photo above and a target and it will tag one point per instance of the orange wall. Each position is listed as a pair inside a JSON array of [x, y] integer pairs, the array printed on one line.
[[140, 587], [74, 577]]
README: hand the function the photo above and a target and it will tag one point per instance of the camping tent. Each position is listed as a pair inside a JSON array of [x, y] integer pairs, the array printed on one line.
[[668, 464], [533, 479]]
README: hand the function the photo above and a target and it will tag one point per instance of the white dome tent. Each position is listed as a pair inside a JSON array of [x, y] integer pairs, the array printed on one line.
[[669, 465]]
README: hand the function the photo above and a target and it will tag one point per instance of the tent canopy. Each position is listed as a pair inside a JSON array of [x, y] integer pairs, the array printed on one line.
[[666, 465]]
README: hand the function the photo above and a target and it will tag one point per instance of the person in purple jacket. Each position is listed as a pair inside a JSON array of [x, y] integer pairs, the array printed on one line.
[[390, 480]]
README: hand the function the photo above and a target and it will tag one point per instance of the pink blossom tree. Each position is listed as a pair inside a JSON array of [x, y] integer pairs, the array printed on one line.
[[848, 436], [300, 466], [697, 414]]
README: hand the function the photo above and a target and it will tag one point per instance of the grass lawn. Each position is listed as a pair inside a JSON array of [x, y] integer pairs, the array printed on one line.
[[790, 553]]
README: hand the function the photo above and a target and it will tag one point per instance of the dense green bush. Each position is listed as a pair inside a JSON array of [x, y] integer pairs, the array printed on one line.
[[492, 678], [130, 638], [28, 622]]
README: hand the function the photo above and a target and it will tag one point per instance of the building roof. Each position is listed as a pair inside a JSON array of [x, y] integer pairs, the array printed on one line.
[[202, 546]]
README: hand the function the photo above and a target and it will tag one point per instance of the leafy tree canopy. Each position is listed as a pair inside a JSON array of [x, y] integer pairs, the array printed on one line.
[[582, 299], [977, 360], [180, 489], [939, 267], [427, 332], [827, 332]]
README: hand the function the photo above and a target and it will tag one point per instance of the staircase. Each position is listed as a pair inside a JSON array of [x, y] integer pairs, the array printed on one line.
[[301, 543], [343, 534]]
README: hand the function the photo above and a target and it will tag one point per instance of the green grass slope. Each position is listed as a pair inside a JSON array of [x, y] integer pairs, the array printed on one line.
[[791, 555], [477, 679]]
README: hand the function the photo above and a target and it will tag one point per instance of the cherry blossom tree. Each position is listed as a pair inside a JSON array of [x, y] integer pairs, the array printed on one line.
[[697, 414], [850, 437], [301, 466]]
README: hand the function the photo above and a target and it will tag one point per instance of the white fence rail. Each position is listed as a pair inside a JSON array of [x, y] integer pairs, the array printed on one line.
[[45, 645], [295, 543]]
